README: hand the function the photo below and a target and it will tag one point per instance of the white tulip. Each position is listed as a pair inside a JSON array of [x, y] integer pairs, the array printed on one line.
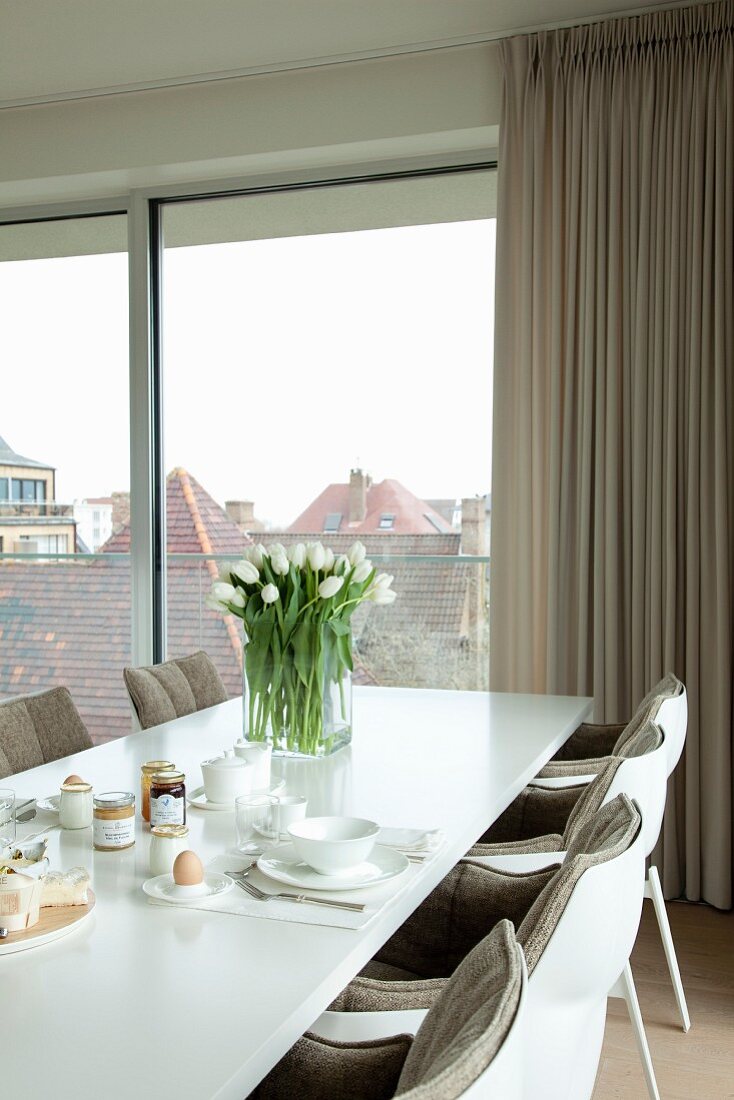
[[223, 591], [316, 556], [357, 553], [297, 554], [383, 580], [277, 550], [382, 596], [269, 593], [280, 565], [239, 599], [246, 571], [330, 587], [362, 572], [214, 604], [341, 564], [254, 554], [328, 559]]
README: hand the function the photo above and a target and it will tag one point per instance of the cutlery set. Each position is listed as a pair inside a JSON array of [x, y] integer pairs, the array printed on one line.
[[240, 879]]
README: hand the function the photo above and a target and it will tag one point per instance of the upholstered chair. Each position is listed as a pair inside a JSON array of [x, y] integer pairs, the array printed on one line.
[[577, 925], [590, 746], [541, 820], [35, 729], [469, 1044], [173, 689]]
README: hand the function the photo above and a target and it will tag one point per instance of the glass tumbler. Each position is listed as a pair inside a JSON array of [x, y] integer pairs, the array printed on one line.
[[257, 822], [7, 816]]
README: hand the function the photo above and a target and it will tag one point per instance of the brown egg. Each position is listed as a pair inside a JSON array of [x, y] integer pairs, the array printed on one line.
[[73, 779], [187, 869]]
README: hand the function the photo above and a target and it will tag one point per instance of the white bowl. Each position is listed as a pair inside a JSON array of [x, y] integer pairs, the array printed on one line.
[[333, 844], [226, 777]]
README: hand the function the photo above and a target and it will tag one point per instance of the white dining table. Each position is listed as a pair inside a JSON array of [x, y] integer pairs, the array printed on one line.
[[144, 1000]]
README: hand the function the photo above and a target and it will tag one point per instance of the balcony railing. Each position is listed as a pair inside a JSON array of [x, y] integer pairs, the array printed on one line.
[[35, 509]]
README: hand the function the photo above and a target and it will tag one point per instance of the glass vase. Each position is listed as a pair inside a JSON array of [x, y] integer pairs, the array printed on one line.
[[297, 690]]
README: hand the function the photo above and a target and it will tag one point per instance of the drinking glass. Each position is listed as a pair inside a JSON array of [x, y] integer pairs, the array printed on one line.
[[257, 821], [7, 816]]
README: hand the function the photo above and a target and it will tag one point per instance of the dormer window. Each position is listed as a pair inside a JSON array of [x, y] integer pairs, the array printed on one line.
[[387, 521], [333, 522]]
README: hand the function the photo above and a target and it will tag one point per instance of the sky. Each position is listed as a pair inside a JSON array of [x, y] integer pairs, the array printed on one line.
[[286, 362]]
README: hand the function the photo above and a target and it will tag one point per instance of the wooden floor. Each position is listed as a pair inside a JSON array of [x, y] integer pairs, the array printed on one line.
[[696, 1066]]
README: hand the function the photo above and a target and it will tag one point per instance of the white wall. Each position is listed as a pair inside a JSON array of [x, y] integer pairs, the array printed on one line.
[[427, 104]]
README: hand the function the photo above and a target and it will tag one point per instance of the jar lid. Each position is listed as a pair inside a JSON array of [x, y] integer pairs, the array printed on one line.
[[170, 778], [113, 800], [77, 787], [158, 766], [172, 832]]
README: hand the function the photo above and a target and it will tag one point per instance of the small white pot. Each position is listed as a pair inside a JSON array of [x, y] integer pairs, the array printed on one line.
[[259, 754], [226, 777]]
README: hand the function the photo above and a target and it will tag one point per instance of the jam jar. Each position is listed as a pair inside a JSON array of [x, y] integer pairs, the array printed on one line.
[[147, 771], [114, 821], [168, 799]]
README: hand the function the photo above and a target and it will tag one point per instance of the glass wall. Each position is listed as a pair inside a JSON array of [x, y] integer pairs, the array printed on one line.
[[65, 456], [328, 376]]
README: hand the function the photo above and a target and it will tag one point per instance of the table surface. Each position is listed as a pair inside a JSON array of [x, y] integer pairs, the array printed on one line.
[[144, 1000]]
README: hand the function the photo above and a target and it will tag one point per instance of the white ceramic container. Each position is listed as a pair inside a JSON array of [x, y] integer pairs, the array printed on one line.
[[226, 777], [75, 806], [291, 808], [166, 842], [20, 899], [259, 754], [333, 844]]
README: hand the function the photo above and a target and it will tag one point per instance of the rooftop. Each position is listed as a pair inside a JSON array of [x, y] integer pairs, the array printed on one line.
[[389, 508], [9, 457]]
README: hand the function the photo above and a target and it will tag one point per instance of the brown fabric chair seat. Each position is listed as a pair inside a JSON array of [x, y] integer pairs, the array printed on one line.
[[559, 810], [460, 1037], [35, 729], [173, 689], [590, 746]]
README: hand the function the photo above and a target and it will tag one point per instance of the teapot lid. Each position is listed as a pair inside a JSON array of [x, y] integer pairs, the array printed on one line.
[[228, 760]]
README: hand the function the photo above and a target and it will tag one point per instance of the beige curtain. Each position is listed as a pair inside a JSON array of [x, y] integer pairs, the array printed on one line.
[[612, 555]]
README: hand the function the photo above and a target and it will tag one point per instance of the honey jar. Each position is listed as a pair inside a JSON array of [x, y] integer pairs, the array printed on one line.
[[168, 798], [114, 821], [147, 771]]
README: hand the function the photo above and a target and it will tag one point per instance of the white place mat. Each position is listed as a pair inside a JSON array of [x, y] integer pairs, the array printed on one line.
[[375, 898]]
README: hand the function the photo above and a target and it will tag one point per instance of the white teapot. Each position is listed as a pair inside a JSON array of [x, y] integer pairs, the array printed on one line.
[[257, 753], [226, 777]]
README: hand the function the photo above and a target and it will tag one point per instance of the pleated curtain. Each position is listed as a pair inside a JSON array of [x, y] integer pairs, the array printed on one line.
[[612, 558]]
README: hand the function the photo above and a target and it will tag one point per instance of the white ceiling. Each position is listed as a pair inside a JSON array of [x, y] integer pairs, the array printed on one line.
[[58, 48]]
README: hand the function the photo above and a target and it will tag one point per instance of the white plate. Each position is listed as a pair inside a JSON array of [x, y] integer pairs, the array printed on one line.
[[161, 888], [51, 804], [284, 866], [199, 801]]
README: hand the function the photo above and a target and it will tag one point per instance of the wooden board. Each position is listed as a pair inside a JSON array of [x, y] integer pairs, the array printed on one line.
[[55, 921]]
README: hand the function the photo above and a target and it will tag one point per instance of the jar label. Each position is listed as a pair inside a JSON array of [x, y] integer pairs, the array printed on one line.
[[116, 833], [167, 809]]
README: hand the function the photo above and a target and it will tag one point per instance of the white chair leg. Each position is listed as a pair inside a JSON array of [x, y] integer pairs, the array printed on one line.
[[655, 893], [625, 987]]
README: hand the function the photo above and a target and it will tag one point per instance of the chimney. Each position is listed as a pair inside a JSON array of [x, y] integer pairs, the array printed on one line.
[[473, 526], [242, 512], [359, 483]]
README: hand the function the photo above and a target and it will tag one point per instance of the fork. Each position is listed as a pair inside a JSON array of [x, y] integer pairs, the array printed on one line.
[[240, 878]]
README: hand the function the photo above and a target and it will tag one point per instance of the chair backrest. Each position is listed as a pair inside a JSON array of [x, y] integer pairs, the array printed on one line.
[[173, 689], [667, 688], [672, 717], [578, 939], [35, 729], [644, 780], [471, 1043]]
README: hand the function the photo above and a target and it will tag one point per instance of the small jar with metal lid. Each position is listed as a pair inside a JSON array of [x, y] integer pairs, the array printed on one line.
[[168, 799], [165, 844], [147, 771], [75, 805], [114, 821]]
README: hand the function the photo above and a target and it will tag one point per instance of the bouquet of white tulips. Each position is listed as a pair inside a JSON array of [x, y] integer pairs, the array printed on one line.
[[296, 606]]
